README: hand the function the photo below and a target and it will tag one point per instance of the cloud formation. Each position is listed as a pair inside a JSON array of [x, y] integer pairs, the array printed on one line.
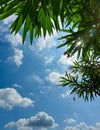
[[39, 121], [70, 121], [65, 61], [10, 98], [82, 126], [16, 85], [14, 40], [9, 19], [54, 77], [48, 60], [46, 42], [17, 57]]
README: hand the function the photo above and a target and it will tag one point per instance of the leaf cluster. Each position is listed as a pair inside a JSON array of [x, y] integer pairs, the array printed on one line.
[[86, 80], [36, 16], [82, 28]]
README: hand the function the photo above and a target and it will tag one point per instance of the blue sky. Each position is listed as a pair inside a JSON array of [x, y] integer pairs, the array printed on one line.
[[30, 98]]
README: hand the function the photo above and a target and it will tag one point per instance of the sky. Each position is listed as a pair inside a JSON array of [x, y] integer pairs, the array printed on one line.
[[30, 97]]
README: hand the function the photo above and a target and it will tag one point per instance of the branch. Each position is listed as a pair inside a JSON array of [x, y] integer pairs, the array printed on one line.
[[88, 10], [92, 22]]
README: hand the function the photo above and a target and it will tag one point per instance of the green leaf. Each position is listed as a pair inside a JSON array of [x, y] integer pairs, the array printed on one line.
[[8, 13], [31, 33], [26, 28], [61, 45]]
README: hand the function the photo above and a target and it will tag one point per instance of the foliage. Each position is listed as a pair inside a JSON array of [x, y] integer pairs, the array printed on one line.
[[36, 16], [79, 20], [83, 33], [84, 80]]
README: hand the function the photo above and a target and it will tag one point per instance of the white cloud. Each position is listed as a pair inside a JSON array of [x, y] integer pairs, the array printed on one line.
[[46, 42], [82, 126], [48, 60], [10, 98], [54, 77], [3, 30], [40, 121], [5, 24], [9, 20], [15, 40], [65, 61], [98, 124], [17, 85], [66, 94], [71, 128], [70, 121], [17, 58]]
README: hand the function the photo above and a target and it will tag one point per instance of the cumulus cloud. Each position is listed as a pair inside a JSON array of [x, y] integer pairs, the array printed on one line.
[[54, 77], [2, 30], [70, 121], [71, 128], [17, 57], [40, 121], [46, 42], [10, 98], [82, 126], [65, 61], [9, 20], [98, 124], [15, 40], [4, 26]]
